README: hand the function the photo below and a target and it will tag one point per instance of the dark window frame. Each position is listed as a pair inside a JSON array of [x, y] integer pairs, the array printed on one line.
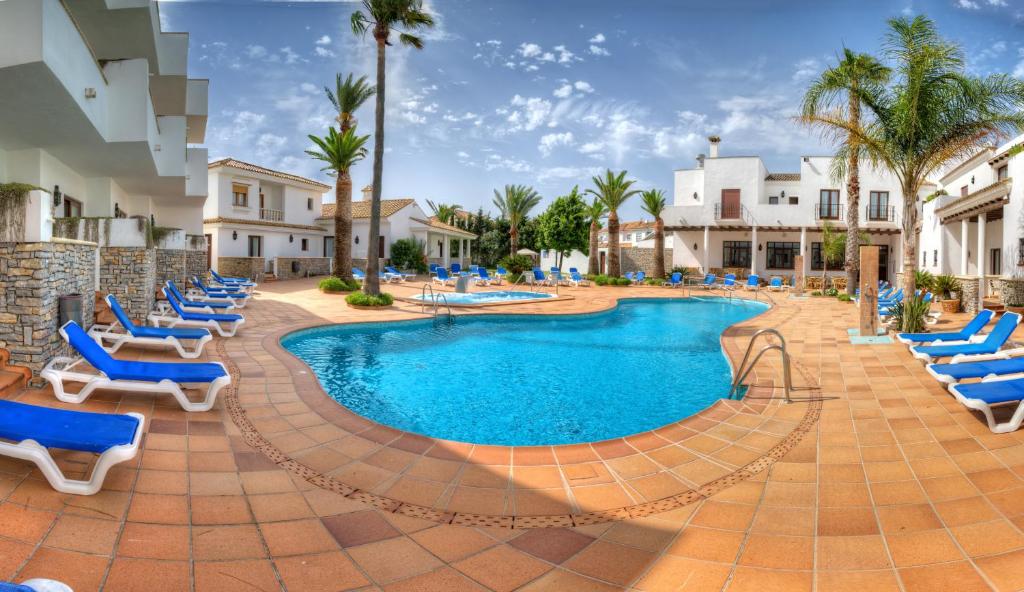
[[304, 244], [878, 205], [736, 253], [72, 207], [817, 263], [1003, 172], [778, 252]]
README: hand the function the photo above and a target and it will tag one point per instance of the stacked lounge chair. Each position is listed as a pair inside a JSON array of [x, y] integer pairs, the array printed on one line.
[[225, 324], [204, 293], [232, 282], [133, 334]]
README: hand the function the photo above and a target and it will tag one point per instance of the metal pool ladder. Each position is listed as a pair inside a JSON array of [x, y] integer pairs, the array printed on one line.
[[744, 368], [427, 288]]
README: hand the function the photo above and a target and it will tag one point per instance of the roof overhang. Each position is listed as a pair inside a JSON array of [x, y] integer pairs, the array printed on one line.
[[981, 201]]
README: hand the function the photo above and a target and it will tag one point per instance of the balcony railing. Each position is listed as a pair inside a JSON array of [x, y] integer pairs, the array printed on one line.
[[880, 213], [271, 215], [828, 211], [733, 212]]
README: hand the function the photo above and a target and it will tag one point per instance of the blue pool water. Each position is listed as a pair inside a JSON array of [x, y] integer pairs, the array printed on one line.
[[530, 380], [486, 297]]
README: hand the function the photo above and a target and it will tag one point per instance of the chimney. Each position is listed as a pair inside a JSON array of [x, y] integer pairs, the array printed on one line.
[[700, 161], [368, 193], [713, 150]]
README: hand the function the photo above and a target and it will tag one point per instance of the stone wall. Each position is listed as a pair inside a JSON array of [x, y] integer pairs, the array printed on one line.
[[642, 259], [33, 277], [247, 267], [1011, 291], [969, 300], [129, 273], [195, 256], [307, 266], [171, 265]]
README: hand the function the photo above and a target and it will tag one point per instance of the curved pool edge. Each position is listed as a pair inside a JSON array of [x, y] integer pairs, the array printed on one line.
[[603, 453]]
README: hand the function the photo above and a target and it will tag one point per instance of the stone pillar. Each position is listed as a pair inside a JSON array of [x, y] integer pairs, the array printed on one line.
[[969, 294], [753, 250], [868, 291], [469, 252], [803, 249], [798, 279], [707, 249], [129, 273], [446, 250], [981, 259], [965, 231]]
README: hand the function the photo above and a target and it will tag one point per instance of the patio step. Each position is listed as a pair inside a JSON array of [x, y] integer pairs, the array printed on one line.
[[12, 378], [269, 277], [996, 307]]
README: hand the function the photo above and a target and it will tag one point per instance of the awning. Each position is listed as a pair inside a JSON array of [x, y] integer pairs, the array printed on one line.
[[981, 201]]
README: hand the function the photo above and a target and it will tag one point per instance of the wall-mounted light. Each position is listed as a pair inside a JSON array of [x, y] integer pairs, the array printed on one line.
[[90, 93], [759, 246], [357, 240], [972, 179], [117, 210], [58, 197], [694, 246], [234, 235], [152, 221], [291, 238], [782, 194], [694, 195]]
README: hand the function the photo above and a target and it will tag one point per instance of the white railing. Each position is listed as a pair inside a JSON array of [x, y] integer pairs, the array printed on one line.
[[271, 215]]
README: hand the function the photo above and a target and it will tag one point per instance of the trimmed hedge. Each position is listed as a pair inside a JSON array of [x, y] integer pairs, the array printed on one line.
[[335, 284], [364, 299]]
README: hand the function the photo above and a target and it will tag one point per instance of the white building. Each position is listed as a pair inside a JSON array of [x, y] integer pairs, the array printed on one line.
[[731, 212], [399, 219], [258, 220], [634, 234]]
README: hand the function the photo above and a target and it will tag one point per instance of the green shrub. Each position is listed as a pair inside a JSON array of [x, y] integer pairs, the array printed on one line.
[[845, 298], [924, 280], [654, 282], [621, 281], [832, 292], [686, 271], [908, 316], [517, 263], [945, 285], [334, 284], [600, 279], [364, 299], [407, 253], [816, 293]]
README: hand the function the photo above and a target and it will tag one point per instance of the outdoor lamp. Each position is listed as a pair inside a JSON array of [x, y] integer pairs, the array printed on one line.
[[58, 197], [782, 194], [694, 195], [357, 240], [234, 235], [694, 246], [291, 238]]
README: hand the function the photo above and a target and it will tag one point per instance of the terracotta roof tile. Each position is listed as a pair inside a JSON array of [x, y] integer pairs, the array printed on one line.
[[433, 222], [254, 168], [782, 177], [361, 209], [223, 220]]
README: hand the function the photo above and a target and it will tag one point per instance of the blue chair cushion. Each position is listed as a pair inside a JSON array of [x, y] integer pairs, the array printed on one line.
[[161, 332], [979, 369], [62, 428], [994, 392]]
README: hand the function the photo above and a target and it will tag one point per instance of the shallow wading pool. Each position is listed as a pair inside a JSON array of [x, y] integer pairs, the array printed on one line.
[[531, 379]]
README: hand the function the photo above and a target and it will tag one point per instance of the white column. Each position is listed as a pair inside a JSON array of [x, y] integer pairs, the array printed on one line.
[[803, 249], [753, 250], [981, 257], [965, 231], [707, 249], [446, 249], [469, 255]]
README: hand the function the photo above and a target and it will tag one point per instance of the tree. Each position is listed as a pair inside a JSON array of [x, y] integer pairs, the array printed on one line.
[[381, 18], [654, 204], [446, 213], [348, 96], [339, 152], [833, 245], [933, 114], [855, 74], [563, 226], [613, 191], [595, 211], [515, 205]]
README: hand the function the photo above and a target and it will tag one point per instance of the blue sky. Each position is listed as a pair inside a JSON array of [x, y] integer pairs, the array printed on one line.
[[548, 93]]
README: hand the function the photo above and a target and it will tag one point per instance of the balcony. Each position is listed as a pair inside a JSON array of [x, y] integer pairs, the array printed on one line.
[[828, 211], [880, 213], [271, 215], [733, 211]]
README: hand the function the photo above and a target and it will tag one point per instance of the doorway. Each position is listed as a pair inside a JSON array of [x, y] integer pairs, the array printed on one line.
[[883, 262], [209, 251], [603, 254], [255, 246]]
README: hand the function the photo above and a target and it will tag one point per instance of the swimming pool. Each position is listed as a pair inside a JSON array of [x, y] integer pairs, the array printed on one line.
[[484, 297], [531, 379]]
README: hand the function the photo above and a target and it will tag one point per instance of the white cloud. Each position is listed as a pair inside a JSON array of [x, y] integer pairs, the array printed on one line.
[[598, 51], [548, 142], [530, 113], [806, 69], [999, 3], [413, 117], [1018, 72], [310, 88], [289, 56], [583, 86], [256, 51], [325, 40], [496, 161], [324, 52], [564, 91], [968, 4], [529, 50], [565, 56], [599, 38], [560, 173]]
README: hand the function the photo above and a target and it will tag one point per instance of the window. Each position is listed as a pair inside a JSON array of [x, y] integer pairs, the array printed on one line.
[[835, 263], [963, 191], [255, 246], [782, 255], [72, 208], [935, 258], [309, 203], [878, 205], [996, 262], [794, 200], [736, 254], [240, 195], [773, 200], [305, 244], [1003, 172], [828, 204]]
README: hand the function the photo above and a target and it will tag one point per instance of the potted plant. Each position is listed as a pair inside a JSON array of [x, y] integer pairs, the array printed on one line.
[[947, 290]]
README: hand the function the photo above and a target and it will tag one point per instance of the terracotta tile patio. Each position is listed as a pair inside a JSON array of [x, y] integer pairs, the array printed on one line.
[[887, 483]]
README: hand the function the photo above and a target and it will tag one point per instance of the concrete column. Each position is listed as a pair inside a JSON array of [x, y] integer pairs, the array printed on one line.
[[803, 251], [469, 254], [753, 250], [707, 249], [981, 259], [965, 231], [446, 249]]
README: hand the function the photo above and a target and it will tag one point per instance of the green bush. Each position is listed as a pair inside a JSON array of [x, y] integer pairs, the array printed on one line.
[[816, 293], [621, 281], [845, 298], [517, 263], [364, 299], [832, 292], [924, 280], [909, 315], [686, 271], [600, 279], [945, 285], [407, 253], [334, 284], [654, 282]]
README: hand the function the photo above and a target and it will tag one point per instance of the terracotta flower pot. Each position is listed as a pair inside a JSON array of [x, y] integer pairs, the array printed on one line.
[[950, 305]]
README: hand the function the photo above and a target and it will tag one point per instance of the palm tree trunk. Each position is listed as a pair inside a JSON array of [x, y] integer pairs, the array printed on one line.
[[659, 248], [513, 240], [343, 227], [909, 238], [853, 203], [371, 285], [593, 262], [613, 244]]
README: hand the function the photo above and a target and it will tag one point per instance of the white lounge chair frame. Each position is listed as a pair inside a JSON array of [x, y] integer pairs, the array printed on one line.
[[158, 318], [38, 454], [199, 296], [101, 333], [986, 409], [61, 370], [163, 307]]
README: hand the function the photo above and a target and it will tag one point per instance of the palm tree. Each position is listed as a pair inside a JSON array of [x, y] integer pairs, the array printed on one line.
[[381, 17], [934, 114], [340, 152], [595, 212], [446, 213], [654, 204], [515, 205], [613, 190], [348, 96], [833, 245], [854, 72]]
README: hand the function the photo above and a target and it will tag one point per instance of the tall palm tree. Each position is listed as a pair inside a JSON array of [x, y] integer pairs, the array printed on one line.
[[654, 204], [444, 212], [613, 191], [595, 212], [854, 75], [933, 114], [381, 18], [515, 205], [339, 152], [348, 96]]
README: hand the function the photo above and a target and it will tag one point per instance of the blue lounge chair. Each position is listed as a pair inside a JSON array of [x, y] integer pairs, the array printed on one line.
[[578, 280], [404, 277], [500, 274], [226, 324], [482, 277], [753, 282], [231, 281], [953, 373], [675, 280], [995, 392], [709, 281], [35, 585], [144, 377], [28, 432], [729, 282], [989, 347], [639, 277], [358, 274], [456, 268], [775, 285], [573, 269], [194, 306], [142, 335], [970, 330], [205, 294], [442, 277], [629, 276]]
